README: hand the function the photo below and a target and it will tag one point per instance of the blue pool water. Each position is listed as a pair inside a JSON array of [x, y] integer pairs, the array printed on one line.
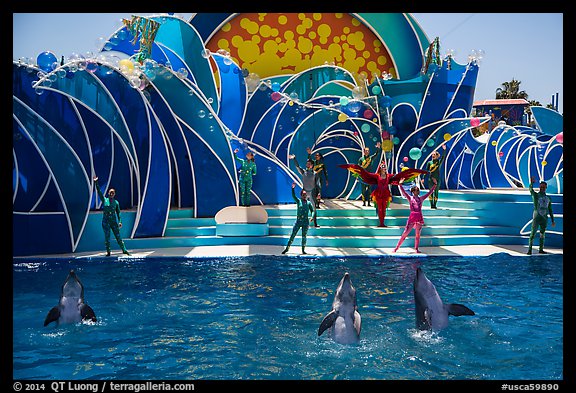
[[257, 317]]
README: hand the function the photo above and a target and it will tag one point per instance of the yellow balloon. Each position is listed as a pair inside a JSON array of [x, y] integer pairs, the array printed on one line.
[[447, 137], [342, 117], [290, 103], [127, 65], [544, 163], [387, 145], [493, 143]]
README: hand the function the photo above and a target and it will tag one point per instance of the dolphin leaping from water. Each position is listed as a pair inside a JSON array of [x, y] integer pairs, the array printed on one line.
[[71, 307], [431, 312], [344, 320]]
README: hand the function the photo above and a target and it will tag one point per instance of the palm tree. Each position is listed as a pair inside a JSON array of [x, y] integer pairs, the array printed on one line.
[[511, 90]]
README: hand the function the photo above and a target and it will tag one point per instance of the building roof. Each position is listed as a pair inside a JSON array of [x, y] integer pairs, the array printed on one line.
[[513, 101]]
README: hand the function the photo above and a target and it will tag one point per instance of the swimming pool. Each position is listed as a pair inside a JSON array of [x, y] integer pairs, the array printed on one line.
[[257, 317]]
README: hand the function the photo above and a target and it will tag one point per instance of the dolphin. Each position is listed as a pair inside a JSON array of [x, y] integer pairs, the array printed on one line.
[[344, 320], [71, 307], [431, 312]]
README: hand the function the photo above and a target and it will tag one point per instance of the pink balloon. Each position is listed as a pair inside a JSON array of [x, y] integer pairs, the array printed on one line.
[[275, 96], [474, 122], [405, 159], [368, 114], [560, 137]]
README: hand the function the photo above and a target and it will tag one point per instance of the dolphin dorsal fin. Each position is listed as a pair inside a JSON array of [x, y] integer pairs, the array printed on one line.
[[458, 310], [327, 322]]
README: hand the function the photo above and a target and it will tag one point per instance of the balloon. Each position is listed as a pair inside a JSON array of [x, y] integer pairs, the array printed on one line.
[[396, 140], [405, 159], [365, 127], [493, 143], [45, 60], [415, 153], [342, 117], [385, 134], [474, 122], [275, 96], [126, 66], [430, 142], [447, 137], [354, 106], [275, 87], [368, 114], [385, 101], [387, 145], [544, 163], [376, 90], [560, 137], [501, 154], [344, 100]]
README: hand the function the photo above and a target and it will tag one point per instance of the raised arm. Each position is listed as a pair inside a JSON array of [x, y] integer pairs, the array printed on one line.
[[403, 191], [240, 160], [293, 193], [430, 191], [97, 186], [300, 170], [530, 187]]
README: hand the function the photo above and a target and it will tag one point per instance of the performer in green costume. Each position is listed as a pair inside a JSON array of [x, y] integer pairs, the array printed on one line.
[[247, 170], [542, 207], [365, 162], [433, 166], [111, 218], [303, 207]]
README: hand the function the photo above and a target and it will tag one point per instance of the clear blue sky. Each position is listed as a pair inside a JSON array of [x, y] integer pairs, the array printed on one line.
[[525, 46]]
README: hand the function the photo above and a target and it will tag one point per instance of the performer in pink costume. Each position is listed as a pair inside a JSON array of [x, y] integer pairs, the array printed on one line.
[[415, 220]]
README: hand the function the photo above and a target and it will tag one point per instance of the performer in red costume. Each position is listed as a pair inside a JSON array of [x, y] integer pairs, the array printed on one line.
[[382, 179]]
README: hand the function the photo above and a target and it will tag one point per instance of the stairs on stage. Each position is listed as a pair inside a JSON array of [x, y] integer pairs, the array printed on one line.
[[476, 217]]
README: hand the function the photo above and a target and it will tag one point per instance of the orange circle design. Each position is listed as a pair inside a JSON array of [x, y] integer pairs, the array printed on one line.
[[273, 44]]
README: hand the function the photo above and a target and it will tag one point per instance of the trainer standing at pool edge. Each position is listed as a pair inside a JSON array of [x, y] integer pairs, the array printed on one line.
[[111, 212], [542, 207]]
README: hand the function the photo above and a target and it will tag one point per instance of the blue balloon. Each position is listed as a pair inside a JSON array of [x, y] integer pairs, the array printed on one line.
[[275, 86], [385, 101], [45, 61]]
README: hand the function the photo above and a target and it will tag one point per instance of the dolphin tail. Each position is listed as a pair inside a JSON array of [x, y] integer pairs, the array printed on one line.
[[458, 310], [52, 316], [87, 313], [327, 322]]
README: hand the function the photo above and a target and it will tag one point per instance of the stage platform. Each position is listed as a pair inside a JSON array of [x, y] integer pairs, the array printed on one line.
[[466, 223]]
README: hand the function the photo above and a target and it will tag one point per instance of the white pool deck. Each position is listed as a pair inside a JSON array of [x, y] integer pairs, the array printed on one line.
[[295, 251]]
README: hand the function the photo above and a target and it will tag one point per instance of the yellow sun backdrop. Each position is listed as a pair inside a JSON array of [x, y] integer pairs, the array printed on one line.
[[271, 44]]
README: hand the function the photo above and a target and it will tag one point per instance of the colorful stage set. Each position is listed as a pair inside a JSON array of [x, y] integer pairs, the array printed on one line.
[[159, 111]]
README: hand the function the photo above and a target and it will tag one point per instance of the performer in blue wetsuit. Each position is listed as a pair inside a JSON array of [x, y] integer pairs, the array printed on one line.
[[303, 207], [247, 170], [111, 218], [542, 207]]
